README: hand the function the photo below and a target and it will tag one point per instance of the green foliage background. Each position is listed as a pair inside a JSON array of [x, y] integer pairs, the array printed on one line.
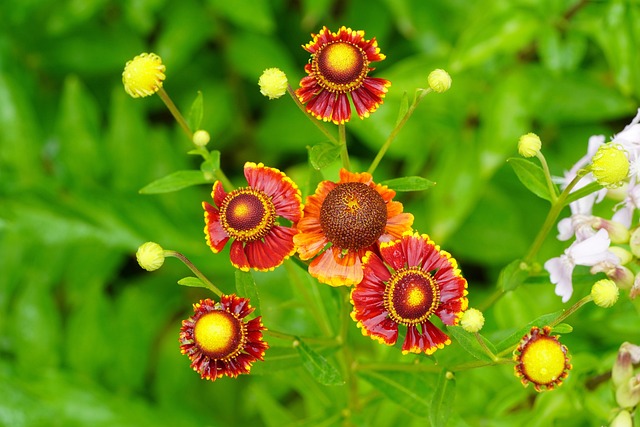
[[89, 339]]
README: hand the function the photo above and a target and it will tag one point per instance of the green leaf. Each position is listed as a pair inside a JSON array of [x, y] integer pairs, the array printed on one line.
[[211, 166], [196, 112], [175, 181], [409, 183], [562, 328], [410, 391], [515, 337], [442, 399], [470, 344], [513, 275], [192, 282], [592, 187], [246, 287], [404, 107], [318, 366], [323, 154], [532, 176]]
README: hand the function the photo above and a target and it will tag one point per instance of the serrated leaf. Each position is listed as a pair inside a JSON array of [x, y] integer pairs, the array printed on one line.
[[410, 391], [442, 399], [323, 154], [196, 113], [531, 176], [246, 287], [318, 366], [470, 344], [513, 275], [409, 183], [515, 337], [175, 181], [192, 282]]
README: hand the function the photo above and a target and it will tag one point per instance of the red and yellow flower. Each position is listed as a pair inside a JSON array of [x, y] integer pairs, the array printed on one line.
[[411, 281], [339, 69], [219, 341], [541, 359], [249, 217], [342, 221]]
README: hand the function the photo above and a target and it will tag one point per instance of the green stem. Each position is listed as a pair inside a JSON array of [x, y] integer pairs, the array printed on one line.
[[419, 367], [553, 214], [315, 121], [571, 310], [175, 112], [349, 362], [485, 348], [399, 126], [547, 175], [342, 141], [327, 342], [213, 288]]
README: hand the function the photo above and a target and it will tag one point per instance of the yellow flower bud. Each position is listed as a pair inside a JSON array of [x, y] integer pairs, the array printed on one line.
[[604, 293], [529, 145], [273, 83], [143, 75], [472, 320], [610, 165], [439, 80], [201, 138], [150, 256]]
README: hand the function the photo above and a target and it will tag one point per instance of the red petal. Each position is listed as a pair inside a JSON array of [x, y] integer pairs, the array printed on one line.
[[238, 257], [392, 253], [216, 236], [270, 253], [218, 194], [336, 270]]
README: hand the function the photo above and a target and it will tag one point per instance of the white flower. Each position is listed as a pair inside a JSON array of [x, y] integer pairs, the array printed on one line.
[[589, 252]]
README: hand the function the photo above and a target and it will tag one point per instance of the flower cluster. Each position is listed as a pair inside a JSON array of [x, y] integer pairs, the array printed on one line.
[[602, 243], [626, 383]]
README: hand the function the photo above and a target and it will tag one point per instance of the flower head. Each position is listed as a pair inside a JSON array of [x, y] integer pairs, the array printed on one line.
[[339, 66], [588, 252], [439, 80], [143, 75], [541, 360], [273, 83], [249, 217], [342, 221], [411, 281], [610, 165], [150, 256], [604, 293], [201, 138], [472, 320], [529, 145], [219, 341]]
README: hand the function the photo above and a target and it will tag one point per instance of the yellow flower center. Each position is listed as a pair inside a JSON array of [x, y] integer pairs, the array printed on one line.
[[340, 66], [219, 335], [543, 360], [411, 296], [353, 216], [247, 214]]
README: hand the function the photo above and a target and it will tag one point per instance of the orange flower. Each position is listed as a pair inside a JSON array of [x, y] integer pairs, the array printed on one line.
[[342, 221], [339, 66]]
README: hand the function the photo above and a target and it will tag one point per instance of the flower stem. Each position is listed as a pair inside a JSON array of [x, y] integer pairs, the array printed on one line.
[[342, 141], [485, 348], [347, 355], [213, 288], [571, 310], [547, 175], [392, 136], [315, 121], [175, 112]]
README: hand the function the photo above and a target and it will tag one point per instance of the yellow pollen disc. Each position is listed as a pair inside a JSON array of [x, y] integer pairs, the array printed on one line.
[[340, 66], [241, 210], [415, 297], [352, 204], [543, 360], [341, 57], [216, 333]]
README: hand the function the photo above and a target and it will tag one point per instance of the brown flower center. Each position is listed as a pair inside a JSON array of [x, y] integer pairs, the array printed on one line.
[[340, 66], [219, 335], [247, 214], [353, 216], [411, 296]]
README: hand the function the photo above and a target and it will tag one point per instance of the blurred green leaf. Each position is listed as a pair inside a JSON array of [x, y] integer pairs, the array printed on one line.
[[515, 337], [175, 181], [404, 107], [409, 183], [562, 328], [442, 398], [246, 288], [410, 391], [468, 341], [513, 275], [251, 15], [532, 176], [192, 282], [211, 166], [318, 366], [323, 154], [196, 113]]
